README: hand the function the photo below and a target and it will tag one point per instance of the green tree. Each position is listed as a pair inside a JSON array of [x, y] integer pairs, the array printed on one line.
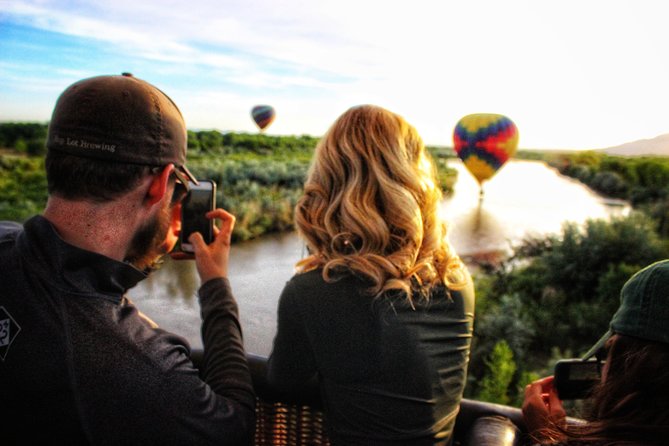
[[23, 189], [640, 180], [559, 292], [12, 132], [210, 140], [193, 141], [588, 158], [500, 369], [652, 174], [609, 183], [36, 147], [20, 145]]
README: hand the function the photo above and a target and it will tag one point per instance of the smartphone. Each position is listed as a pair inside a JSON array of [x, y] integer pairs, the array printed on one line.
[[574, 379], [200, 199]]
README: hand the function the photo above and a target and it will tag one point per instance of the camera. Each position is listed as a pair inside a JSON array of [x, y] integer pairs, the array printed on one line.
[[201, 199], [575, 379]]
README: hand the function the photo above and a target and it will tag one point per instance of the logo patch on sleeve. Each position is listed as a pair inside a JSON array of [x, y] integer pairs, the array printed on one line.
[[8, 331]]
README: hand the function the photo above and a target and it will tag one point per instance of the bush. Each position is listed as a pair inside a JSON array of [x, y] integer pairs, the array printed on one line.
[[15, 135], [580, 172], [639, 179], [36, 147], [500, 369], [559, 292], [23, 190], [610, 183], [261, 191]]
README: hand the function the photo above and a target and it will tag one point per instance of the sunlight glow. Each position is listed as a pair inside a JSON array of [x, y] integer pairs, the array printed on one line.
[[570, 74]]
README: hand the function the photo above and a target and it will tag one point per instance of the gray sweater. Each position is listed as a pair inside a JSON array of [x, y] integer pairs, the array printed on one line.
[[388, 373]]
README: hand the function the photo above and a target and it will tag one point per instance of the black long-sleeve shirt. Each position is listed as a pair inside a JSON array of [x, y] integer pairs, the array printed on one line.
[[389, 372], [79, 364]]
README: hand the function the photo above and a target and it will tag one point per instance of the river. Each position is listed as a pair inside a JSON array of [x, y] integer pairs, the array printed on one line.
[[524, 198]]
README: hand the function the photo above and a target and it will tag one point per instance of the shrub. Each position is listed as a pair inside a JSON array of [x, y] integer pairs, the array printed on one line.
[[500, 369], [609, 183], [23, 190], [559, 292]]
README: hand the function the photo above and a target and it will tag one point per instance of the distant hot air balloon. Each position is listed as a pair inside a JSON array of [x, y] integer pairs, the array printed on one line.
[[263, 115], [484, 142]]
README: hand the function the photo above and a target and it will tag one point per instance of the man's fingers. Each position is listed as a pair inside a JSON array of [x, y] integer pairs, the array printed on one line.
[[212, 260], [197, 241], [226, 218], [221, 214], [224, 233]]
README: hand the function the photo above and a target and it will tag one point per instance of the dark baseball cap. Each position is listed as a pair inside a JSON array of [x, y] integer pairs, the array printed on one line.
[[644, 307], [120, 119]]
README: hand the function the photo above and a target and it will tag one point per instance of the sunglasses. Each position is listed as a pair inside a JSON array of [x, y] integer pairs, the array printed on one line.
[[181, 191]]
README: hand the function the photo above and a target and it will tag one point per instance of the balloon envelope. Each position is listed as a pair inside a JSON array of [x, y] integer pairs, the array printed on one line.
[[263, 115], [484, 142]]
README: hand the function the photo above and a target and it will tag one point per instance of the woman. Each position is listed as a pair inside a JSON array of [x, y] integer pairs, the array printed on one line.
[[631, 404], [381, 311]]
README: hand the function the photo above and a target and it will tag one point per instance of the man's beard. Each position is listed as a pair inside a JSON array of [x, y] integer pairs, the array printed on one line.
[[147, 246]]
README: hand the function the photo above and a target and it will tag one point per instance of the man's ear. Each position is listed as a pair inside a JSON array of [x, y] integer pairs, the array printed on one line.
[[158, 187], [175, 227]]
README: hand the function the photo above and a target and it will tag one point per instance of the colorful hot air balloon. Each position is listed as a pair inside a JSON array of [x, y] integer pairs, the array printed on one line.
[[484, 142], [263, 115]]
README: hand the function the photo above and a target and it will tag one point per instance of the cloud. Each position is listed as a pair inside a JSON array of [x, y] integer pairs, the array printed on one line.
[[26, 78], [340, 39], [578, 71]]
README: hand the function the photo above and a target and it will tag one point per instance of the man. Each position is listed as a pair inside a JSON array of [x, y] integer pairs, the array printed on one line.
[[78, 362]]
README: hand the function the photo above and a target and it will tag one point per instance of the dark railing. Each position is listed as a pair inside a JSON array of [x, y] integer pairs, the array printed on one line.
[[297, 418]]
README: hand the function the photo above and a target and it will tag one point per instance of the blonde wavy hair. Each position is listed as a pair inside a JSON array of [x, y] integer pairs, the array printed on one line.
[[371, 207]]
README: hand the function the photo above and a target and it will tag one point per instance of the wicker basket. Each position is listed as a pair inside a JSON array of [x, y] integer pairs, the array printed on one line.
[[283, 424]]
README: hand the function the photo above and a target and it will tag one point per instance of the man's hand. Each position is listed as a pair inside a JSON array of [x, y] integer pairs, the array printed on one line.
[[542, 408], [212, 260]]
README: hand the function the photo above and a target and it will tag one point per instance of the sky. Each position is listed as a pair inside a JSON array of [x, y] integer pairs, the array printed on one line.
[[572, 74]]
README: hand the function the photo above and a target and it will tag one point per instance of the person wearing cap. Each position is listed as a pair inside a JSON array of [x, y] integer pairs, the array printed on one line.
[[79, 363], [630, 406]]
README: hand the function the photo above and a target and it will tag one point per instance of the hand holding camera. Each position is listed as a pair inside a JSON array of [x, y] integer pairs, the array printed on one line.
[[200, 238], [542, 407], [200, 200], [212, 259]]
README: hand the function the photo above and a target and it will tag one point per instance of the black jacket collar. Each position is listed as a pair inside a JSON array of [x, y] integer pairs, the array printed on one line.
[[71, 268]]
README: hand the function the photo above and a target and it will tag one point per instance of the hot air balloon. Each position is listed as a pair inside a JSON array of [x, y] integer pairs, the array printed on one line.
[[484, 142], [263, 115]]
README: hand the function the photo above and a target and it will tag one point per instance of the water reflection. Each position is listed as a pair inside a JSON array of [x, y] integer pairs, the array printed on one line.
[[523, 198], [258, 271], [480, 236]]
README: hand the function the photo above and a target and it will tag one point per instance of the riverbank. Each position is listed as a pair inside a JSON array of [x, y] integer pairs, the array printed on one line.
[[259, 268], [259, 177]]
